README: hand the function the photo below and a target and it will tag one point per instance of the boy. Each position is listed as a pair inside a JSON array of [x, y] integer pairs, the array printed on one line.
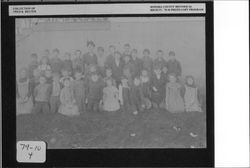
[[42, 95], [117, 67], [147, 62], [55, 95], [136, 63], [94, 92], [101, 60], [67, 63], [77, 62], [55, 61], [78, 86], [159, 60], [90, 57], [173, 65]]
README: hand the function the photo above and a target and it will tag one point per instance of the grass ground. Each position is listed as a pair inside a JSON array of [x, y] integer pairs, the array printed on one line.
[[149, 129]]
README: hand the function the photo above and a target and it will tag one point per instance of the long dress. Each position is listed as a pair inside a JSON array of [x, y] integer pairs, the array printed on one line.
[[68, 106], [110, 99], [191, 99], [24, 103], [174, 101]]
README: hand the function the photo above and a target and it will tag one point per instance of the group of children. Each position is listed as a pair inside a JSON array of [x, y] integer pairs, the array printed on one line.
[[92, 82]]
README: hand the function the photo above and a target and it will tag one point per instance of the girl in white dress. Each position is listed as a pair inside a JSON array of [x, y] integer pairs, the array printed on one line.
[[24, 103], [68, 103], [191, 96], [110, 97]]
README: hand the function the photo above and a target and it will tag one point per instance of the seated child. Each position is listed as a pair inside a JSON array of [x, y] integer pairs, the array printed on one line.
[[137, 96], [124, 94], [146, 89], [44, 65], [174, 101], [24, 103], [158, 88], [110, 97], [94, 92], [42, 94], [55, 95], [191, 96], [79, 85], [68, 106]]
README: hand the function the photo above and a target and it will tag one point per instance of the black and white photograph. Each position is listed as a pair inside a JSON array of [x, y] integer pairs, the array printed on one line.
[[111, 82]]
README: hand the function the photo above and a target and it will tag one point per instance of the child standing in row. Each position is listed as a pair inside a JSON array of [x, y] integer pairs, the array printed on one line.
[[68, 106], [55, 95], [42, 95], [24, 95]]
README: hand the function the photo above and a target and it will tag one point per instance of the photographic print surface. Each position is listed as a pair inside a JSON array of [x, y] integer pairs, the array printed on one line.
[[111, 82]]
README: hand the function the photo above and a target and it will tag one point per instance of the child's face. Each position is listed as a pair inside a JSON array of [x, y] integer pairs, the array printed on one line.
[[172, 78], [124, 81], [127, 59], [56, 78], [165, 69], [94, 77], [144, 73], [172, 57], [159, 54], [66, 83], [67, 56], [78, 75], [42, 80], [117, 55], [91, 48], [44, 61], [65, 73], [157, 71], [78, 54], [190, 81], [111, 49], [48, 74], [100, 52], [34, 59], [92, 69], [108, 73], [146, 54], [137, 82], [126, 48]]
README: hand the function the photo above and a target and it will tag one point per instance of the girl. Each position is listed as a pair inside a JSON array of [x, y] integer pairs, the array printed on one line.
[[78, 86], [174, 101], [110, 97], [42, 95], [24, 96], [68, 106], [109, 75], [191, 96], [44, 65]]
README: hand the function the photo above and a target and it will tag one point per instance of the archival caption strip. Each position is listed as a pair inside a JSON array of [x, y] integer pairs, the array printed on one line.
[[95, 9]]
